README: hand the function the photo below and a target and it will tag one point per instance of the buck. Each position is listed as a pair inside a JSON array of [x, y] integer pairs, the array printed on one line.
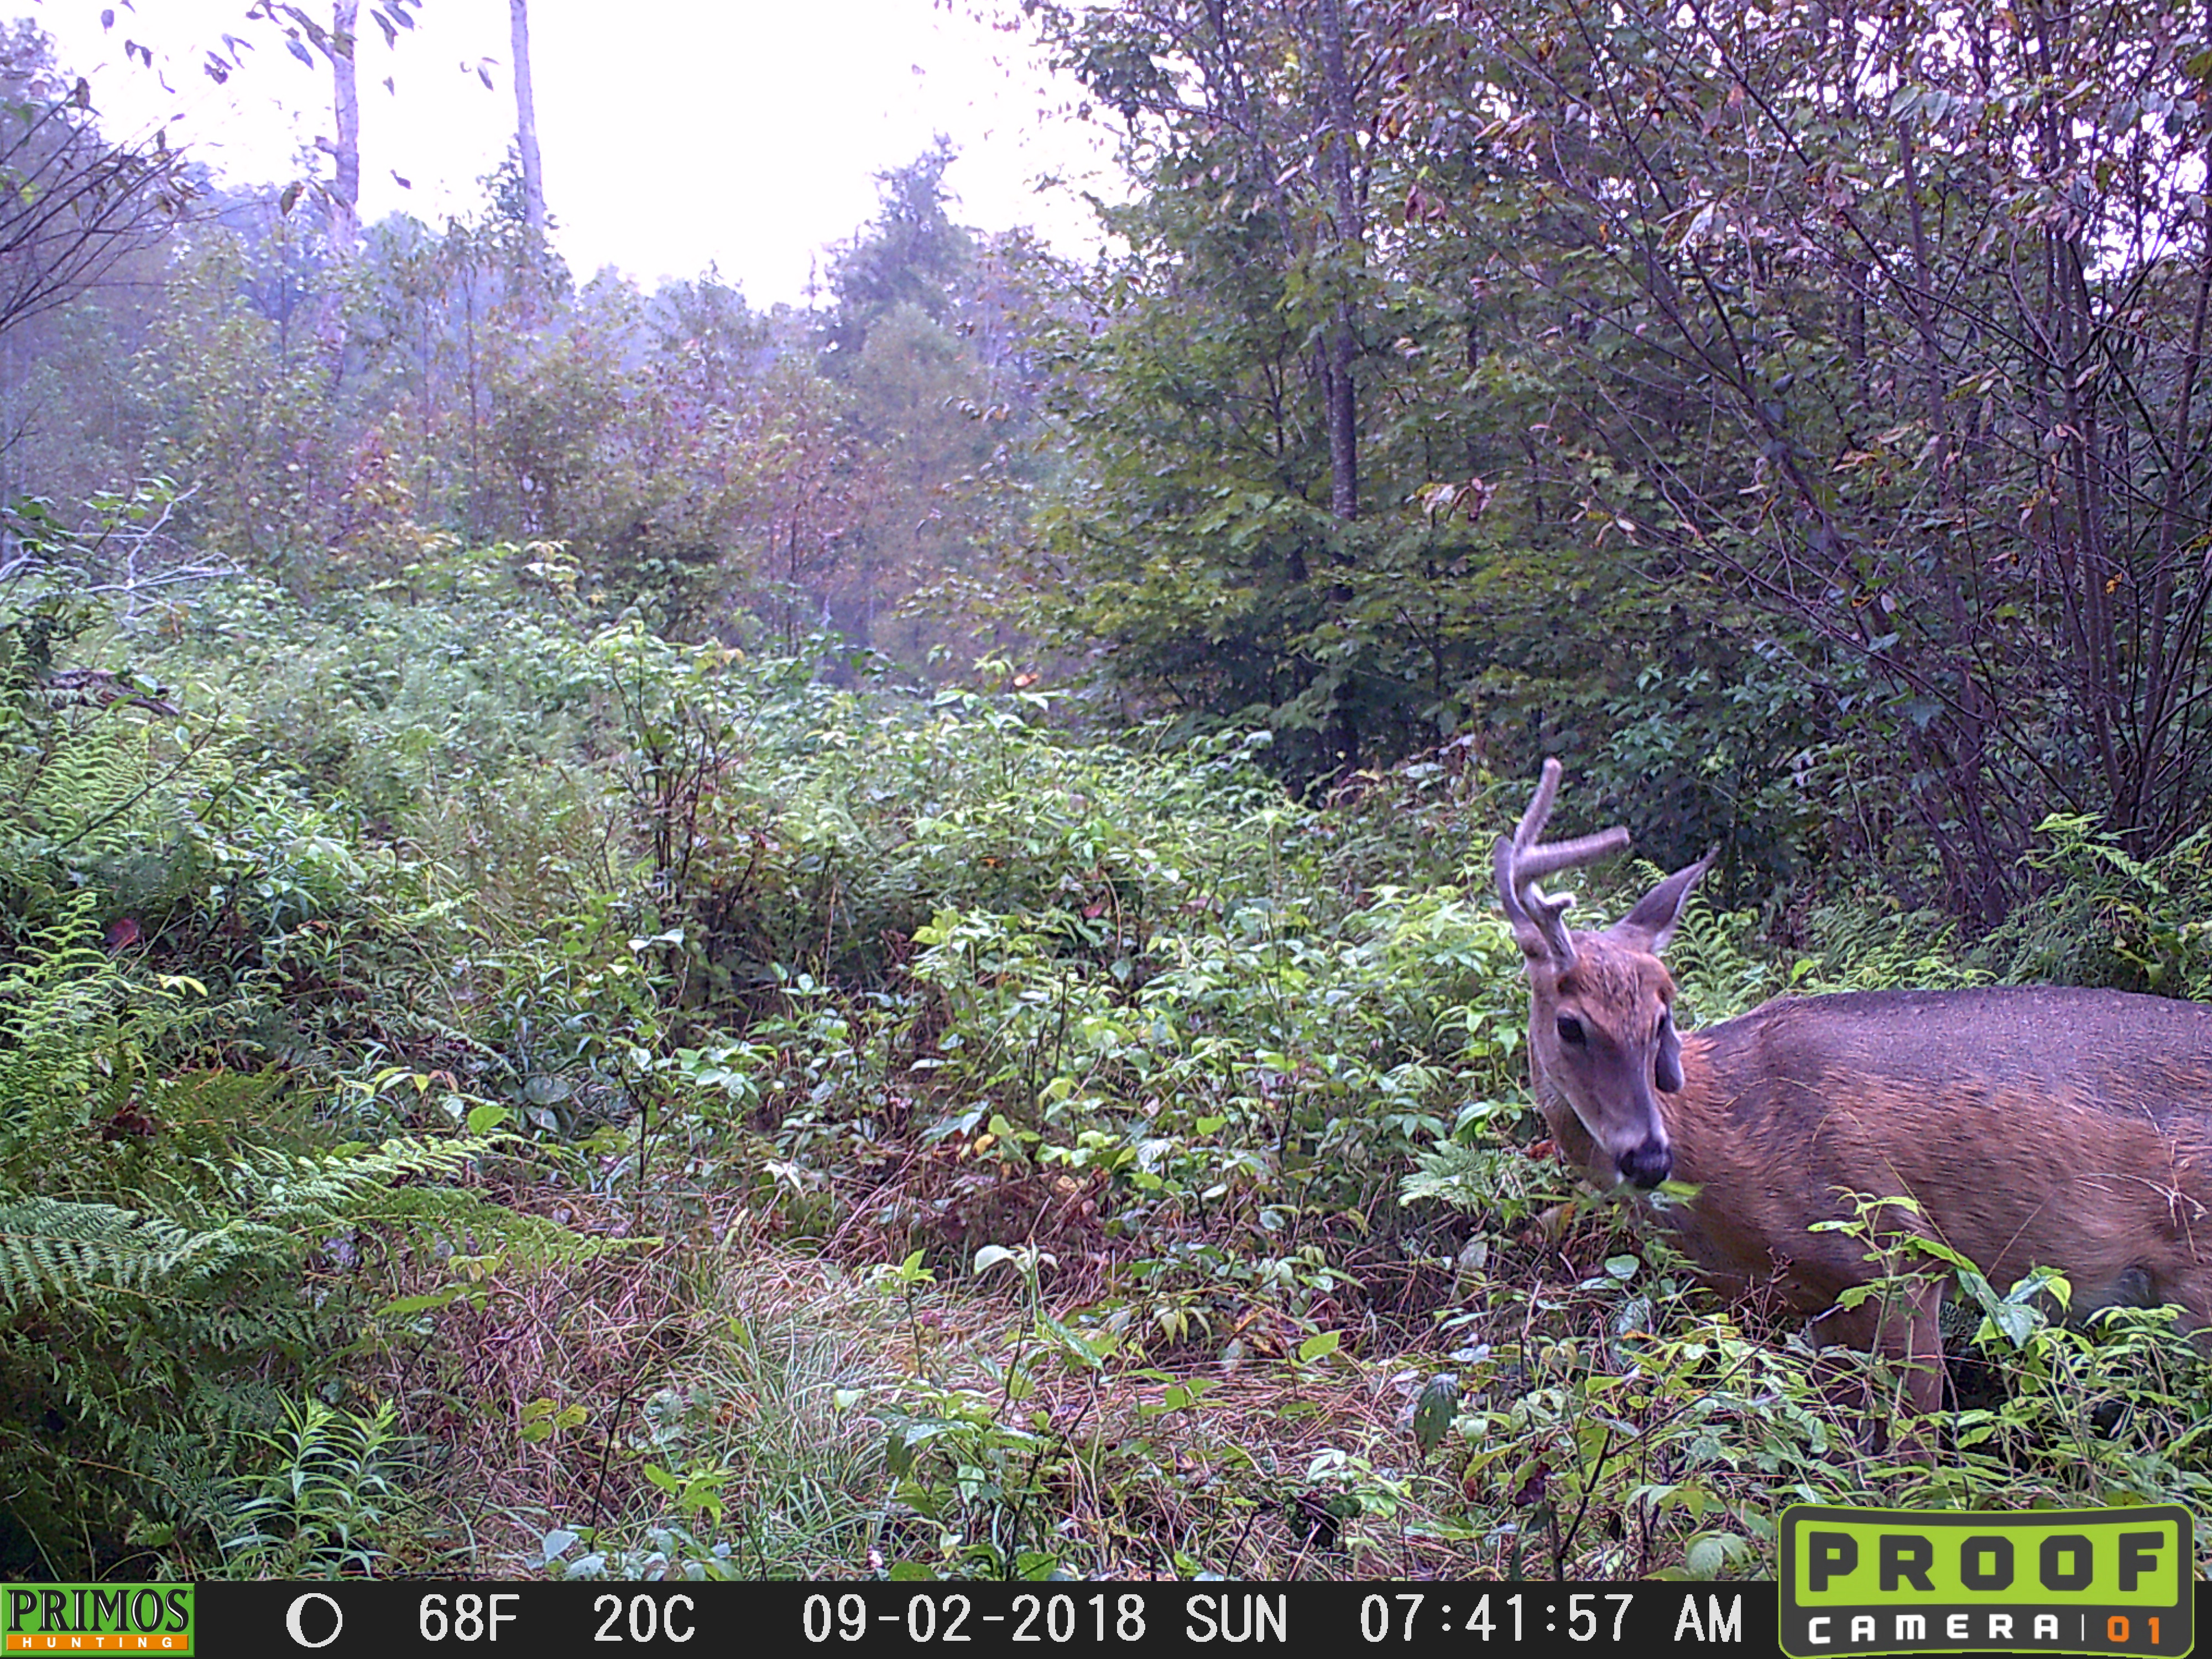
[[2071, 1129]]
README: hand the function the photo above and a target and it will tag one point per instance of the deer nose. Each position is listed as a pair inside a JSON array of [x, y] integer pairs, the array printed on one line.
[[1647, 1165]]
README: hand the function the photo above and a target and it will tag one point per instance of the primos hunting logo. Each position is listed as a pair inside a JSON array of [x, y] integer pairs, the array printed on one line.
[[2049, 1581], [96, 1619]]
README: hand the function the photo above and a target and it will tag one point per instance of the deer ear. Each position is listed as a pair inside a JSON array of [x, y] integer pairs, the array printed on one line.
[[1667, 1068], [1651, 924]]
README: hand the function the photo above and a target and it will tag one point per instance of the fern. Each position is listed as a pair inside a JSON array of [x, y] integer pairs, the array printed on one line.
[[96, 802], [157, 1232], [53, 1250], [2107, 918], [157, 1342]]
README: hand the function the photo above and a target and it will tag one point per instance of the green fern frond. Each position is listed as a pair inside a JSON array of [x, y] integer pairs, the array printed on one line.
[[397, 1184], [52, 1249]]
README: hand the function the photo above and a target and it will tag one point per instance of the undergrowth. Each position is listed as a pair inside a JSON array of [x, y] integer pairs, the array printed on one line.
[[489, 1090]]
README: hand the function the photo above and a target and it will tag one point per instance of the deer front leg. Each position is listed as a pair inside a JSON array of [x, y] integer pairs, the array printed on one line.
[[1905, 1329], [1913, 1336]]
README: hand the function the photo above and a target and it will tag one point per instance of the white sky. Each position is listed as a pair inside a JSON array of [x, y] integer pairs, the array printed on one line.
[[745, 132]]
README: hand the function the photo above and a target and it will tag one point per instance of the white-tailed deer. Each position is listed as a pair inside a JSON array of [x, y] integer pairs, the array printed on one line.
[[2071, 1129]]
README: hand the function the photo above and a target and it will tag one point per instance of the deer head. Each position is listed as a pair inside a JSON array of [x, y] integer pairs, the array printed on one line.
[[1601, 1024]]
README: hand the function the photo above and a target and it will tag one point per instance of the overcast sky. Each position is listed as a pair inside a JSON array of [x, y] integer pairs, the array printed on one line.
[[743, 132]]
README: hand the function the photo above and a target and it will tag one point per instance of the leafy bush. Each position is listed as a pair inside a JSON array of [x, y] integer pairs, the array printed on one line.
[[2108, 918]]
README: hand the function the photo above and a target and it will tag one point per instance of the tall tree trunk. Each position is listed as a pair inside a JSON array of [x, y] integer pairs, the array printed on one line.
[[344, 231], [1338, 125], [526, 118], [1345, 254], [342, 228]]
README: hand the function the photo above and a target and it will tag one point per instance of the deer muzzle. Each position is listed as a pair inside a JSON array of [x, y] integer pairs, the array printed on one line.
[[1647, 1164]]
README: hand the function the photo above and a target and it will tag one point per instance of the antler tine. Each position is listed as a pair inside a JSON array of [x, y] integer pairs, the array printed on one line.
[[1521, 862], [1534, 863], [1531, 827]]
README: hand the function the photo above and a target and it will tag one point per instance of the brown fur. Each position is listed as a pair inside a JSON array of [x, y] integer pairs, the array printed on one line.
[[2069, 1129]]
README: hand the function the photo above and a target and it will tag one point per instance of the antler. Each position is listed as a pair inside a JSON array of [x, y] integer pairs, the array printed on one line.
[[1521, 861]]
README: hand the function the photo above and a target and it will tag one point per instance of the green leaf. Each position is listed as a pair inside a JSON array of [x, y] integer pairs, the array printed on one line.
[[1434, 1411]]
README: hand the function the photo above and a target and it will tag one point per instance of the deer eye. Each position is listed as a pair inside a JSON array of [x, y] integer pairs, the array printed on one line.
[[1570, 1031]]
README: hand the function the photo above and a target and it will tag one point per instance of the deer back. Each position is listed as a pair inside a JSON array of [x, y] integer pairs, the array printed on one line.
[[2069, 1128]]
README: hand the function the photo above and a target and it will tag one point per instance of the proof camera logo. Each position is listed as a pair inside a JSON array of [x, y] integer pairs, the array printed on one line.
[[2054, 1581]]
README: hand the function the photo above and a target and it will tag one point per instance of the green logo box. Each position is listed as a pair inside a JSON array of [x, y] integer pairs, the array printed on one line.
[[95, 1619], [1861, 1581]]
